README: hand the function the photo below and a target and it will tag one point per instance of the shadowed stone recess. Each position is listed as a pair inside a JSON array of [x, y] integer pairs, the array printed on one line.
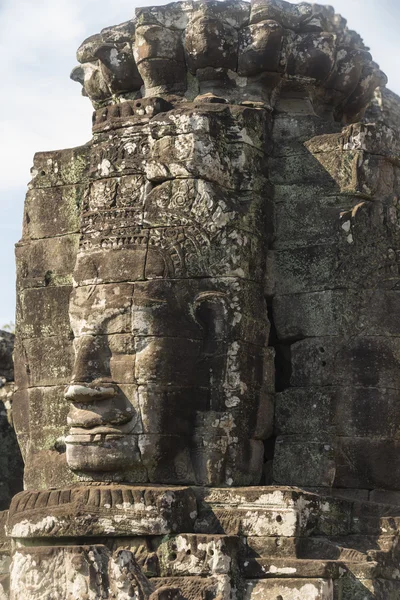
[[207, 348], [11, 466]]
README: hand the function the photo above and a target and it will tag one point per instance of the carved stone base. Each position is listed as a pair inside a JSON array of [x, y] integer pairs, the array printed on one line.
[[166, 543]]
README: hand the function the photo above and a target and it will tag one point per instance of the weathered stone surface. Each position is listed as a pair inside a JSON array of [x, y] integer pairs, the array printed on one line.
[[227, 48], [52, 211], [11, 466], [289, 589], [341, 411], [59, 168], [102, 510], [43, 363], [43, 263], [366, 362], [202, 555], [5, 551], [272, 511], [76, 571], [338, 312], [207, 297], [6, 356]]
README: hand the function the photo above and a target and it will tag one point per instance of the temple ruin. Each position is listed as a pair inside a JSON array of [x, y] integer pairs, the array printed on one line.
[[208, 334]]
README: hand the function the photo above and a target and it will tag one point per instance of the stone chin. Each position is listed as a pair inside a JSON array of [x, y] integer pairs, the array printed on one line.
[[102, 452]]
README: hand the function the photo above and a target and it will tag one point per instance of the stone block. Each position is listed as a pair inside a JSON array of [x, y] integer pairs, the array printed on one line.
[[235, 166], [164, 408], [368, 463], [337, 312], [271, 568], [291, 131], [191, 201], [312, 55], [341, 411], [371, 137], [159, 54], [52, 211], [362, 361], [43, 312], [60, 167], [46, 262], [307, 411], [179, 308], [56, 472], [154, 41], [198, 555], [87, 314], [91, 571], [125, 153], [289, 589], [302, 169], [40, 405], [151, 366], [304, 462], [194, 588], [260, 48], [45, 362], [211, 42], [353, 169], [162, 76], [354, 262], [366, 589], [279, 512], [306, 269], [385, 497], [239, 461], [166, 459], [112, 265], [319, 219], [340, 462]]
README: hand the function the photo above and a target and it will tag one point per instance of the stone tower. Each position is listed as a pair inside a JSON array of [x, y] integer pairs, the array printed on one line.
[[207, 351]]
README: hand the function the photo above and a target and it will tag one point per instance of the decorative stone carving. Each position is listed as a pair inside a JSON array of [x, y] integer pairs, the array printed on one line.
[[210, 317], [240, 51]]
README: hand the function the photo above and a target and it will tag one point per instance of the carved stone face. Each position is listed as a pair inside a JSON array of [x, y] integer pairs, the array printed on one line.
[[155, 364], [168, 312], [136, 384]]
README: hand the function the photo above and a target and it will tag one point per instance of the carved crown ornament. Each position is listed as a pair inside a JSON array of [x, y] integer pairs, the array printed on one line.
[[232, 51]]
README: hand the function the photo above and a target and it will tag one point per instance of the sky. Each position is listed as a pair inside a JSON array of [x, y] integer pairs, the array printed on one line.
[[42, 109]]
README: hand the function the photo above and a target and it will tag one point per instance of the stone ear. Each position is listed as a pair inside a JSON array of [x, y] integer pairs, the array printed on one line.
[[211, 311]]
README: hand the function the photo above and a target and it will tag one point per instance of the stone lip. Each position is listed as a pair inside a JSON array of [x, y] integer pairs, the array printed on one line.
[[235, 50]]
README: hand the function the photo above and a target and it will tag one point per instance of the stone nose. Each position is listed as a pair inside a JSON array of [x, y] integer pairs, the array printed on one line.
[[89, 394], [91, 366]]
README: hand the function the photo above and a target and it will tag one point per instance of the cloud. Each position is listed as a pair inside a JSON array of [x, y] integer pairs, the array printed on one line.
[[41, 108]]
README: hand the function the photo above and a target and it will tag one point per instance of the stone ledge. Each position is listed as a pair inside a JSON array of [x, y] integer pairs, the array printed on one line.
[[102, 510]]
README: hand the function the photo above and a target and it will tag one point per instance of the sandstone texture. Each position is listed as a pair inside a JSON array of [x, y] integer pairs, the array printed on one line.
[[207, 350], [11, 467]]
